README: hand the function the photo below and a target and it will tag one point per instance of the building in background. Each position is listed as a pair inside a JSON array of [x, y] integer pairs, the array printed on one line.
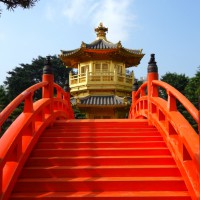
[[102, 86]]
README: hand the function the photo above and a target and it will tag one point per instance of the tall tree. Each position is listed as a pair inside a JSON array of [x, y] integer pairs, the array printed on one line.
[[3, 98], [187, 86], [178, 81], [193, 88], [12, 4], [26, 75]]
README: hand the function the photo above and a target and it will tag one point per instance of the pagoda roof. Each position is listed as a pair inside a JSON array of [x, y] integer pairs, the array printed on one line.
[[102, 100], [108, 100], [101, 44], [101, 49]]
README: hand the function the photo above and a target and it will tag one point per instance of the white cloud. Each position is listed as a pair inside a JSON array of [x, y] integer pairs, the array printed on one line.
[[77, 10], [116, 15]]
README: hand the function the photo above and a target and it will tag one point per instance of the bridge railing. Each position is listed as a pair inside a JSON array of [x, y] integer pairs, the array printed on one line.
[[21, 136], [181, 138]]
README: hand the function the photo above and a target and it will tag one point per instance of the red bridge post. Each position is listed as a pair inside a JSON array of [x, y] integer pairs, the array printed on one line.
[[49, 77], [199, 125], [48, 90], [67, 99], [152, 75], [134, 99], [67, 90]]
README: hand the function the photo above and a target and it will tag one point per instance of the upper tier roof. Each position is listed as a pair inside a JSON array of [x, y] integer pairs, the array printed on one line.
[[101, 44], [101, 49]]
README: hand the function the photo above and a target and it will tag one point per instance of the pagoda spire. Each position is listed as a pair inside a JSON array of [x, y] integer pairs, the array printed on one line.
[[101, 31]]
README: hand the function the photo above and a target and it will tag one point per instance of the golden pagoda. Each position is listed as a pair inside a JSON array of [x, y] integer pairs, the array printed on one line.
[[102, 87]]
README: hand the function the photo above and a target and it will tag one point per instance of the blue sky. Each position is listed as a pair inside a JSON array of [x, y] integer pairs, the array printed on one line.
[[168, 28]]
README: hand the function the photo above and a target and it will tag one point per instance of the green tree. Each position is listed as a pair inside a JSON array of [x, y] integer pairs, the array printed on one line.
[[193, 88], [78, 114], [25, 76], [28, 74], [178, 81], [12, 4], [3, 98], [188, 87]]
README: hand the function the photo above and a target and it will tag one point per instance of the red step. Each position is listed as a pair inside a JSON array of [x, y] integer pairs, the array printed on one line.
[[102, 133], [129, 144], [119, 195], [101, 171], [100, 184], [100, 160], [100, 138], [103, 159], [100, 152]]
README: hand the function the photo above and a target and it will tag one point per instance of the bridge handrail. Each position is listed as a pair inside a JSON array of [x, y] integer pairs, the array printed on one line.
[[180, 136], [19, 99], [140, 92], [171, 91], [14, 104], [21, 136], [60, 92]]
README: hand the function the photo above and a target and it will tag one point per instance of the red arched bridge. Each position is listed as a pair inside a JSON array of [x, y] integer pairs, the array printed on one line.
[[47, 154]]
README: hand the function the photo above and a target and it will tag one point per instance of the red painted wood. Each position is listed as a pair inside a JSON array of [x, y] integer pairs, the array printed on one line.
[[71, 160], [100, 160]]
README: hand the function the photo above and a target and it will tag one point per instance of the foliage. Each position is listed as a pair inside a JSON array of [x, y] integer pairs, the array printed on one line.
[[28, 74], [11, 118], [189, 87], [193, 88], [140, 82], [193, 94], [178, 81], [12, 4], [25, 76], [78, 114], [3, 103], [3, 98]]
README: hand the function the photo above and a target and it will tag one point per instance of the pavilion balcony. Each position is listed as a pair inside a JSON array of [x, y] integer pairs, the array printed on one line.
[[95, 79]]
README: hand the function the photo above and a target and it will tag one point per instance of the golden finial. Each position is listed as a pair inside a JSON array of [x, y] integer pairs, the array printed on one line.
[[83, 45], [101, 31], [119, 44]]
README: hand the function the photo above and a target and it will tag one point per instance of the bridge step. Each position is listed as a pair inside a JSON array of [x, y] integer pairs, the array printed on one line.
[[100, 160], [100, 184], [98, 132], [101, 171], [129, 144], [100, 152], [119, 195], [88, 159], [100, 138]]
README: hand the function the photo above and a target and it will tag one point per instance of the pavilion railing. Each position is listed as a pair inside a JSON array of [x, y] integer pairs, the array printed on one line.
[[99, 78]]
